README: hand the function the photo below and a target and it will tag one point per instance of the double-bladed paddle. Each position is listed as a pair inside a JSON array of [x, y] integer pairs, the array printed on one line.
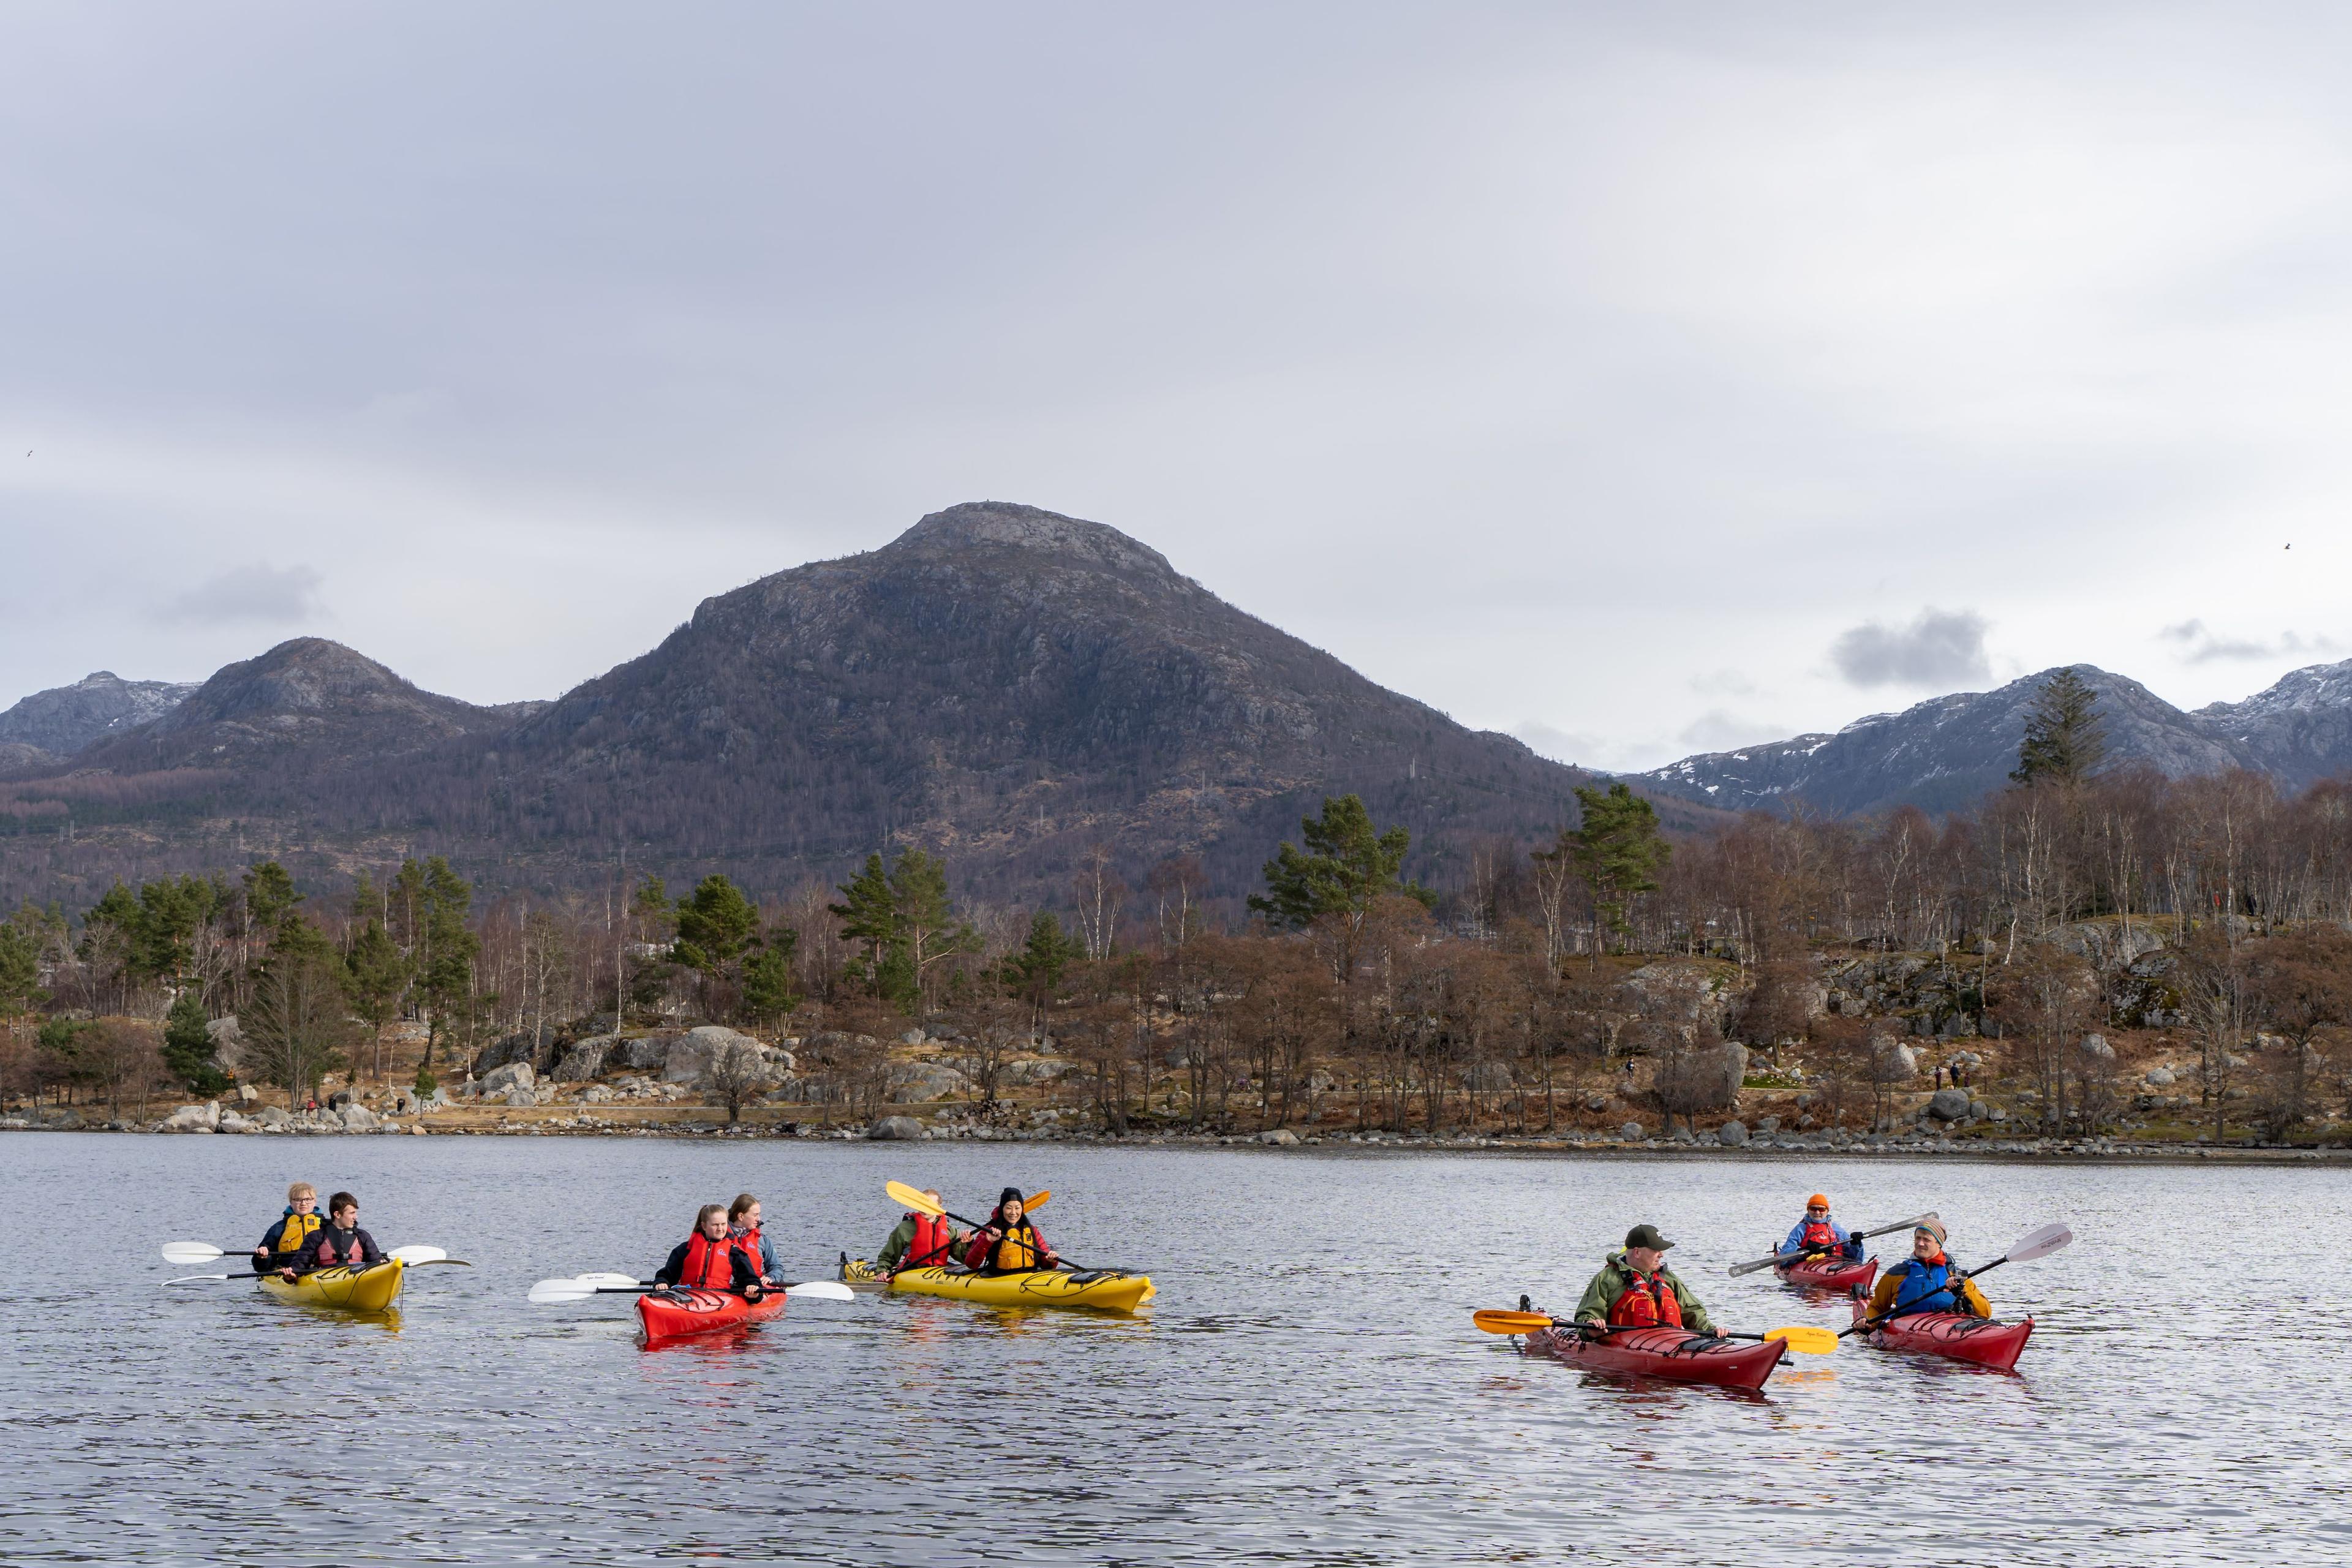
[[581, 1287], [1751, 1266], [186, 1252], [2033, 1244], [1797, 1337]]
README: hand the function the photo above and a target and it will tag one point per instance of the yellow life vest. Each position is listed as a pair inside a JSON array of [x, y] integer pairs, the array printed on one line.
[[1017, 1249], [296, 1234]]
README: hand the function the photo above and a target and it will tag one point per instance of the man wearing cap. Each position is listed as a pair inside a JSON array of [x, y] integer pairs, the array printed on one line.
[[1926, 1281], [1818, 1235], [1636, 1290]]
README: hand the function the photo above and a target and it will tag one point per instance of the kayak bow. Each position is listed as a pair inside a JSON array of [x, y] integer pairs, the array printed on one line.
[[1830, 1273], [373, 1289], [1957, 1335], [671, 1315], [1674, 1354]]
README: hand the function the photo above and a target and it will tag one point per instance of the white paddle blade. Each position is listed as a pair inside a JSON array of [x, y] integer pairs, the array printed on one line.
[[415, 1255], [821, 1291], [616, 1281], [195, 1278], [548, 1291], [2040, 1243], [190, 1252]]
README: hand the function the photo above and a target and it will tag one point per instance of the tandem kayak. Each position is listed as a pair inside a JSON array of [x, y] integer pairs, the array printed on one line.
[[1955, 1334], [673, 1314], [1106, 1289], [1830, 1273], [1671, 1354], [373, 1289]]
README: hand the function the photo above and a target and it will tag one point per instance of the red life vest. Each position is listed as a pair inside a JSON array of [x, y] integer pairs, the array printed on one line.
[[328, 1258], [1818, 1237], [1647, 1303], [928, 1248], [709, 1265]]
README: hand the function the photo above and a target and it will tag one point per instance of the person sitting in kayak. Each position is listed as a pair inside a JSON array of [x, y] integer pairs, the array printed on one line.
[[1009, 1244], [1818, 1235], [338, 1244], [283, 1243], [743, 1223], [921, 1241], [711, 1260], [1636, 1290], [1926, 1281]]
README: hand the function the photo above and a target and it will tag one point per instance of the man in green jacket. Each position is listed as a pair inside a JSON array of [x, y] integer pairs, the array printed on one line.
[[1637, 1287]]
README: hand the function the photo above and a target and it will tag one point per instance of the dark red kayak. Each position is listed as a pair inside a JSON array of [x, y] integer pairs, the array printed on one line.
[[1672, 1353], [1955, 1334], [673, 1314], [1830, 1273]]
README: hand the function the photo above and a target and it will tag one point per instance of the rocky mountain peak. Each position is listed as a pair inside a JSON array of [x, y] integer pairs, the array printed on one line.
[[991, 525], [60, 721]]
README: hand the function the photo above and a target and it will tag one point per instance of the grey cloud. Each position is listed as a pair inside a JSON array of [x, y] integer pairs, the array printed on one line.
[[2201, 644], [260, 593], [1722, 683], [1939, 648]]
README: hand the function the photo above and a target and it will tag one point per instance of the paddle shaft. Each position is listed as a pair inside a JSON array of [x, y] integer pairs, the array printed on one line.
[[1802, 1254]]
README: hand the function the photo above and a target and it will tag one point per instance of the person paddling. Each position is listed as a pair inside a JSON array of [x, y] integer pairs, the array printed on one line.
[[1009, 1244], [338, 1244], [1926, 1281], [922, 1240], [743, 1223], [286, 1240], [1819, 1236], [1636, 1290], [711, 1260]]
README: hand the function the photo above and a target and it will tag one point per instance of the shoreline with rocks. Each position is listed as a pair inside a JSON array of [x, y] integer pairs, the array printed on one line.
[[213, 1118]]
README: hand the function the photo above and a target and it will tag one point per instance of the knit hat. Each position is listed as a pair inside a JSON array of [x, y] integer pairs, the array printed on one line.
[[1818, 1200], [1933, 1226], [1010, 1196]]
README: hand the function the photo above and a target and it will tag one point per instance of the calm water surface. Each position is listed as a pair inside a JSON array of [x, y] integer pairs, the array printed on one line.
[[1306, 1389]]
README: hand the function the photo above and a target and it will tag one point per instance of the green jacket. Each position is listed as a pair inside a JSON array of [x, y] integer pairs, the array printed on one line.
[[1611, 1283]]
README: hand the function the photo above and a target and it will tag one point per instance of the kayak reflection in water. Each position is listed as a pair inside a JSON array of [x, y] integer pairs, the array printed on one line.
[[1818, 1235], [711, 1260], [338, 1244], [743, 1223], [1926, 1281], [1636, 1290], [287, 1239], [921, 1241], [1009, 1244]]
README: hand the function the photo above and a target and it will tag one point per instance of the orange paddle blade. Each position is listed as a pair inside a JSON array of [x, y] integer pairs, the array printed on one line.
[[1804, 1340], [1495, 1322], [1037, 1202]]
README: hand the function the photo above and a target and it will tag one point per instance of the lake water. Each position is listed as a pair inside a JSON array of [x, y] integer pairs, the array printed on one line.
[[1306, 1389]]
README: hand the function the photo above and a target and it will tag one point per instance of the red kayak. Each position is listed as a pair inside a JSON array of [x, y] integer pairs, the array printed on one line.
[[673, 1314], [1830, 1273], [1671, 1354], [1955, 1334]]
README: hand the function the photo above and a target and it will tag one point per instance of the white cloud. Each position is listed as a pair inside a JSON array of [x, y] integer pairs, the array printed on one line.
[[2201, 644], [1938, 648]]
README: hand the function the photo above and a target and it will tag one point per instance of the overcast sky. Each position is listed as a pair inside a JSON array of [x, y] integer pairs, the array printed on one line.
[[1638, 379]]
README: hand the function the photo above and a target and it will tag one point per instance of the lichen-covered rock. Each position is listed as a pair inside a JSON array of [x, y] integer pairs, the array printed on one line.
[[583, 1060], [512, 1075], [1948, 1104], [899, 1127]]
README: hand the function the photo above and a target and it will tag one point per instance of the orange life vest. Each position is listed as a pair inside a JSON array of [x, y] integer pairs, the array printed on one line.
[[1647, 1303], [709, 1265], [1818, 1237]]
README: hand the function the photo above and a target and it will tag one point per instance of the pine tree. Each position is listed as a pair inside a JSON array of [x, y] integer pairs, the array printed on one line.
[[716, 925], [20, 969], [379, 976], [1349, 864], [868, 913], [2064, 738], [1033, 972], [769, 988], [188, 1051], [1617, 849]]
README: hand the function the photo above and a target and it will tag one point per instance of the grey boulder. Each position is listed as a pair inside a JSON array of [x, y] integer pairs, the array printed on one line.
[[896, 1127]]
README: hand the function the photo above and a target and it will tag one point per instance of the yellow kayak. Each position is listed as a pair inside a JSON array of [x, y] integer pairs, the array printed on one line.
[[1106, 1289], [369, 1289]]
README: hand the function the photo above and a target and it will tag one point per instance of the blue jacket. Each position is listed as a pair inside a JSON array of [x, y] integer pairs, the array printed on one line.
[[1847, 1246], [1925, 1287]]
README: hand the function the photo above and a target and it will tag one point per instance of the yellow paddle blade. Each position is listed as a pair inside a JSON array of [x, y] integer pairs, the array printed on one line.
[[1496, 1322], [1037, 1202], [1806, 1341], [900, 1192]]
